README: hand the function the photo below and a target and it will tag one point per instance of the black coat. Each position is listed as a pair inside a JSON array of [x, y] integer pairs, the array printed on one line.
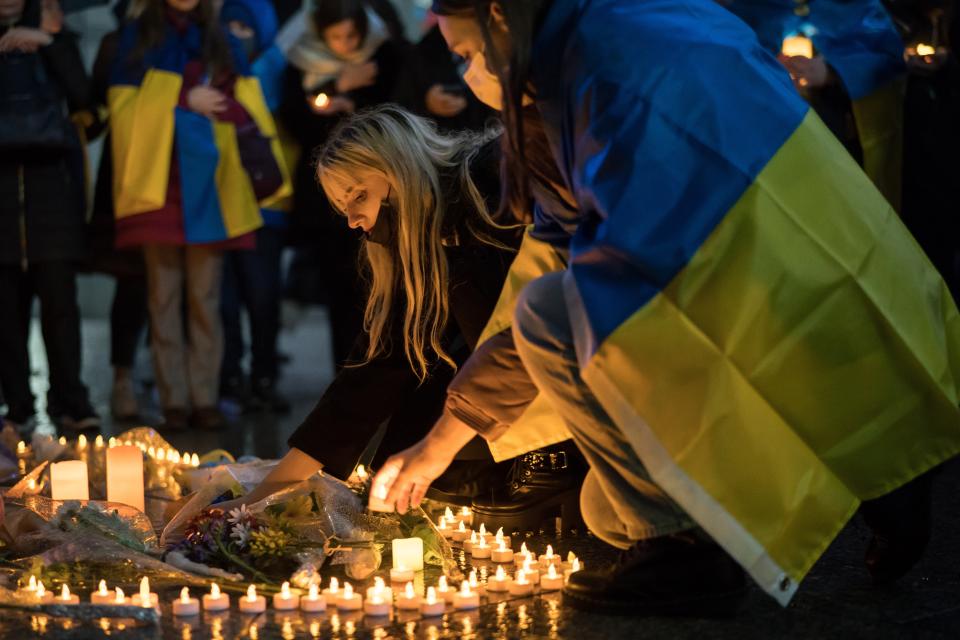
[[51, 209], [362, 397]]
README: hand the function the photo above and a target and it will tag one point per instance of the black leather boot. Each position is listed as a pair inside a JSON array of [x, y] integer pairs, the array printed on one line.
[[901, 524], [684, 574], [464, 480], [541, 485]]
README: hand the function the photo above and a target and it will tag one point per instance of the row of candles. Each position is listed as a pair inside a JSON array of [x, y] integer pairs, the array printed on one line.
[[160, 454]]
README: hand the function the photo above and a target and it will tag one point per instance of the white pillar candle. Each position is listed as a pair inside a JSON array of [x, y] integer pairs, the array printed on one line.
[[119, 598], [402, 574], [551, 581], [332, 592], [466, 598], [500, 582], [531, 573], [216, 601], [469, 542], [185, 605], [252, 603], [502, 554], [42, 595], [380, 589], [574, 567], [461, 533], [348, 599], [285, 601], [481, 550], [125, 476], [66, 597], [444, 591], [409, 599], [102, 595], [408, 552], [68, 480], [313, 602], [520, 585], [145, 598], [432, 606]]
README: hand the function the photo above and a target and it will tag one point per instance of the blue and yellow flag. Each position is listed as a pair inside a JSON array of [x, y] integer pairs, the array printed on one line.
[[147, 128], [747, 307]]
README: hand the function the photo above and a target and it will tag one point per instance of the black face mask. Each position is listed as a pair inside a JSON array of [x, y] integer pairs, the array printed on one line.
[[384, 230]]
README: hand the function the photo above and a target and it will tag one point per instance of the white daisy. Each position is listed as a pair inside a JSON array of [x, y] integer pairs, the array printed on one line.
[[238, 516], [240, 534]]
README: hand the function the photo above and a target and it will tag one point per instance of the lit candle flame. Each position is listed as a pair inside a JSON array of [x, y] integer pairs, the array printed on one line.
[[431, 595], [21, 447], [461, 527], [322, 100], [465, 511], [215, 590], [482, 543], [408, 591], [549, 553], [465, 588], [472, 578], [62, 440], [161, 454], [501, 574], [145, 588], [103, 588], [521, 577], [347, 591], [252, 593], [361, 472], [112, 442], [285, 590], [41, 590], [442, 584], [334, 585], [194, 460], [571, 556], [65, 592], [483, 529], [120, 595], [313, 595], [443, 523], [185, 595], [151, 452], [523, 548], [31, 484], [925, 50], [32, 584], [552, 571], [526, 564], [448, 514], [473, 537], [503, 545], [98, 443], [499, 535], [81, 441], [575, 566]]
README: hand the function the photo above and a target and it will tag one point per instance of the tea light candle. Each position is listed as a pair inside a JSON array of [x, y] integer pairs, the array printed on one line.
[[81, 442], [252, 603], [285, 601], [125, 476], [445, 531], [502, 553], [469, 542], [552, 581], [68, 480], [145, 598], [499, 536], [431, 605], [483, 533], [574, 567], [322, 100], [119, 598], [21, 448], [185, 605], [380, 589], [523, 555], [42, 595], [409, 600], [101, 595], [571, 556], [444, 591], [408, 553], [332, 592], [31, 584], [66, 597], [500, 582], [376, 606], [531, 574], [348, 600], [466, 516], [549, 558], [481, 550], [461, 533], [98, 442], [475, 584], [313, 602], [216, 601], [401, 574], [466, 598], [521, 586]]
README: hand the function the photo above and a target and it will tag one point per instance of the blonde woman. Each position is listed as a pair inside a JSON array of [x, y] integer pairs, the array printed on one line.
[[435, 262]]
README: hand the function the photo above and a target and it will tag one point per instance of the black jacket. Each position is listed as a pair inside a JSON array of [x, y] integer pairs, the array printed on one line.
[[42, 191], [362, 397]]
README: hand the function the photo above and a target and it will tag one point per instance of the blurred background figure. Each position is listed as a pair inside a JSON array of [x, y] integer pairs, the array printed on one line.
[[347, 58], [42, 207]]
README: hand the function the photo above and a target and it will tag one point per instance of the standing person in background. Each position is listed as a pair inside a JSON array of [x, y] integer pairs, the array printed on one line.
[[344, 61], [183, 114], [128, 311], [42, 206], [846, 60], [251, 279]]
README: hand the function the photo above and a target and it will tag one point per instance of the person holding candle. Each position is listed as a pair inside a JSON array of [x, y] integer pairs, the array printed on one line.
[[687, 320]]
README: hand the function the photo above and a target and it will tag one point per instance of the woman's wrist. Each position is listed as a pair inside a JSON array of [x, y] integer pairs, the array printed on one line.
[[448, 436]]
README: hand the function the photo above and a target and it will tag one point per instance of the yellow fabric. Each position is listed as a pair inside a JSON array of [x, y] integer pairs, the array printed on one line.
[[249, 94], [291, 155], [238, 204], [539, 426], [879, 118], [804, 360], [141, 133]]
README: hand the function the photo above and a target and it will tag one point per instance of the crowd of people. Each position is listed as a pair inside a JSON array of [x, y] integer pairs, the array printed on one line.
[[571, 251]]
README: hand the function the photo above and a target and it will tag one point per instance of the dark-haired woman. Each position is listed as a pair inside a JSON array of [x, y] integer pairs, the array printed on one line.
[[741, 359], [179, 96], [346, 59]]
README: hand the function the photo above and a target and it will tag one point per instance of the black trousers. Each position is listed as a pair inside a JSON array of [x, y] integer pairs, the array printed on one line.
[[128, 318], [55, 284]]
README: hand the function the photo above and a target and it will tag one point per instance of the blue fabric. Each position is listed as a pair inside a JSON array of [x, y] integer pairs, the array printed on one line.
[[259, 15], [274, 218], [197, 156], [269, 68], [856, 37], [660, 114]]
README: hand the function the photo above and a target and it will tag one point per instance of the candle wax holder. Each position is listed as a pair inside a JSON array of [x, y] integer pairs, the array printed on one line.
[[502, 556], [518, 588], [185, 605], [377, 607], [498, 585], [481, 551], [288, 603], [66, 597], [402, 575], [408, 600], [252, 603], [313, 602], [348, 600], [465, 601], [551, 581], [216, 601], [431, 605]]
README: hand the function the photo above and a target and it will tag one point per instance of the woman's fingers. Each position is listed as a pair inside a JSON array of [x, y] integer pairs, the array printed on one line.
[[418, 493]]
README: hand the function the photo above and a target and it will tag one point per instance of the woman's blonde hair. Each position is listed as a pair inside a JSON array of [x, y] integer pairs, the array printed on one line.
[[410, 154]]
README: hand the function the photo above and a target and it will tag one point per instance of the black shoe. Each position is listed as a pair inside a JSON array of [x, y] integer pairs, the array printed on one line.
[[542, 484], [464, 480], [684, 574], [901, 524], [83, 420], [266, 397], [207, 419], [175, 419]]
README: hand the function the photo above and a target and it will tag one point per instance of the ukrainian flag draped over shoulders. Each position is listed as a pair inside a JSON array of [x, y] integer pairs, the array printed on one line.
[[148, 127], [746, 305]]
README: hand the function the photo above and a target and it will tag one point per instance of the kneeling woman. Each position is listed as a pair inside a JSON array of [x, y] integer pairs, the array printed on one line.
[[436, 262]]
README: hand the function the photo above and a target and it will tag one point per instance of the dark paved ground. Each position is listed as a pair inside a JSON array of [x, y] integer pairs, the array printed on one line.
[[836, 601]]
